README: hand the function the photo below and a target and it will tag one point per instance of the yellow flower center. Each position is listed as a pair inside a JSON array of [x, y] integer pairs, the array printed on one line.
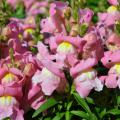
[[9, 78], [112, 47], [29, 30], [5, 100], [89, 73], [112, 9], [20, 36], [117, 67], [65, 47]]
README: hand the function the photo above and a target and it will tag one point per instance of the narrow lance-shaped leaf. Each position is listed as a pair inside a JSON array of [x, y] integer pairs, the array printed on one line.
[[82, 102], [48, 104], [80, 114]]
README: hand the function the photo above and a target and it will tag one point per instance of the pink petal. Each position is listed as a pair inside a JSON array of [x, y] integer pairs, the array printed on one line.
[[83, 65]]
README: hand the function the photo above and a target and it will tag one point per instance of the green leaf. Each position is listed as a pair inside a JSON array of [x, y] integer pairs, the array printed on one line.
[[20, 11], [48, 104], [80, 114], [67, 115], [114, 112], [117, 28], [93, 117], [103, 113], [69, 105], [118, 100], [58, 116], [49, 118], [90, 100], [82, 102]]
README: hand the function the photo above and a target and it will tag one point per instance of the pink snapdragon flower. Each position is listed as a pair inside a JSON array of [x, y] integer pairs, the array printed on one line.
[[11, 82], [85, 77], [110, 17], [93, 47], [9, 108], [113, 42], [56, 12], [85, 15], [13, 29], [49, 81], [52, 72], [34, 97], [112, 60], [102, 32]]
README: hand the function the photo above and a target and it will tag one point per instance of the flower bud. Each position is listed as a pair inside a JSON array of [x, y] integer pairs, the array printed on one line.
[[74, 30], [67, 12], [29, 69]]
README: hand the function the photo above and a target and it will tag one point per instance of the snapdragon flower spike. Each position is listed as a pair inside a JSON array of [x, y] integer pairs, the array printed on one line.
[[85, 77], [9, 108]]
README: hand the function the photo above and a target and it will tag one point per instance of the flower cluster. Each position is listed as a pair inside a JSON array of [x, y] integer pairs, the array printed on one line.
[[69, 44]]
